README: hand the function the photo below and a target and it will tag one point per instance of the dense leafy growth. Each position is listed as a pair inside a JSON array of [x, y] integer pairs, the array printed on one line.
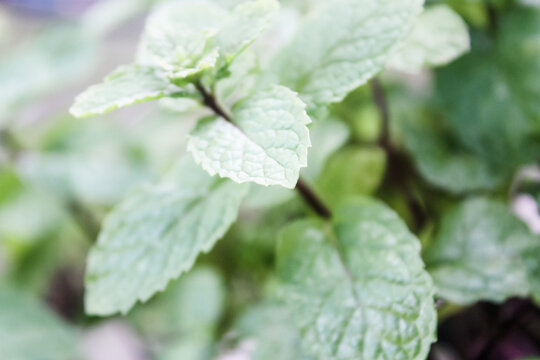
[[311, 177]]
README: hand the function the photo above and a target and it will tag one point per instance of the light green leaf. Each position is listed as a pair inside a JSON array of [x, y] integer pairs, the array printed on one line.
[[30, 331], [271, 329], [155, 235], [352, 171], [327, 136], [478, 254], [189, 38], [191, 305], [342, 45], [438, 37], [267, 143], [248, 21], [127, 85], [358, 290]]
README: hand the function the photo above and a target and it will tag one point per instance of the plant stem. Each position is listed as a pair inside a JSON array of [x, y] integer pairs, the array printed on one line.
[[492, 18], [308, 194], [379, 97], [312, 199], [398, 166]]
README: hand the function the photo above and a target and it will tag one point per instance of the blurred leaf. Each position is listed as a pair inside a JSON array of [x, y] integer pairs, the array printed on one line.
[[267, 143], [126, 86], [189, 38], [54, 58], [190, 306], [482, 91], [29, 331], [438, 37], [359, 289], [352, 171], [327, 136], [447, 166], [327, 58], [103, 177], [274, 334], [28, 217], [155, 235], [482, 252]]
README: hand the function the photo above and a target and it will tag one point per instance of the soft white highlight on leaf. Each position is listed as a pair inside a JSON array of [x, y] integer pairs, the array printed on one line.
[[127, 85], [342, 45], [439, 36]]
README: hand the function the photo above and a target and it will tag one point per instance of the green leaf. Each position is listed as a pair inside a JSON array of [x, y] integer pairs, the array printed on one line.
[[448, 166], [274, 335], [267, 143], [189, 38], [358, 290], [482, 252], [191, 305], [438, 37], [248, 21], [485, 89], [28, 330], [327, 136], [342, 45], [127, 85], [155, 235], [352, 171]]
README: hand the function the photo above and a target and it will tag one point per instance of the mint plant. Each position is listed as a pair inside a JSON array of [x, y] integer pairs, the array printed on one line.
[[356, 169]]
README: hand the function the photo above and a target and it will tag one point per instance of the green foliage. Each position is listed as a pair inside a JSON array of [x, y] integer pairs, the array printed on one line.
[[127, 85], [28, 330], [305, 194], [156, 234], [438, 37], [502, 84], [483, 252], [358, 288], [267, 141], [327, 59]]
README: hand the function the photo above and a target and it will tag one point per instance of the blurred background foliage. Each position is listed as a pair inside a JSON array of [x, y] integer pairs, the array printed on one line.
[[60, 176]]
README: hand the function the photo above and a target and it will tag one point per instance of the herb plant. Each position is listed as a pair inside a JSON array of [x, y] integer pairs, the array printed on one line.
[[373, 153]]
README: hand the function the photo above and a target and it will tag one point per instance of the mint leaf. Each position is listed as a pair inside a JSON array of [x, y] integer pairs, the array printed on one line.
[[155, 235], [358, 290], [483, 90], [438, 37], [187, 39], [28, 330], [267, 143], [352, 171], [192, 304], [480, 252], [127, 85], [447, 166], [248, 21], [342, 45]]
